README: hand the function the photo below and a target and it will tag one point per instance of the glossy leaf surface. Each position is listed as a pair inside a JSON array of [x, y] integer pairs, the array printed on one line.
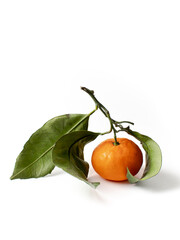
[[35, 160], [68, 154], [153, 157]]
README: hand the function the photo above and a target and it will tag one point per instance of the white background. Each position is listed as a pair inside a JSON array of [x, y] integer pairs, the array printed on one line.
[[128, 52]]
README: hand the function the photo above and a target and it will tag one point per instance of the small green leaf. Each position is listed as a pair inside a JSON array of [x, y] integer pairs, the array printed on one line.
[[153, 157], [35, 160], [68, 154]]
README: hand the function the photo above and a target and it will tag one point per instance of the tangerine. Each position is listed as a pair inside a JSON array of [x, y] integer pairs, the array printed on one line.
[[111, 161]]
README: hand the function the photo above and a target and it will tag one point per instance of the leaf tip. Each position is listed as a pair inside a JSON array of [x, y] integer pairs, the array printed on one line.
[[93, 184], [96, 184], [12, 177], [131, 178]]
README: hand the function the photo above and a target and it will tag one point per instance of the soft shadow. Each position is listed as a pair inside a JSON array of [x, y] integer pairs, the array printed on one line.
[[96, 195], [164, 181], [55, 172]]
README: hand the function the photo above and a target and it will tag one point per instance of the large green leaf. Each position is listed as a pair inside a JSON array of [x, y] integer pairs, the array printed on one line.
[[153, 157], [68, 154], [35, 160]]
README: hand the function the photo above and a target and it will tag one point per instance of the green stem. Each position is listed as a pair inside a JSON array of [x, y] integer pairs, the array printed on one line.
[[113, 124], [104, 111], [123, 122], [96, 108]]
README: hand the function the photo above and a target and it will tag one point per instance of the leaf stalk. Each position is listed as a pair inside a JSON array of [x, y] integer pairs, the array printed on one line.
[[113, 123]]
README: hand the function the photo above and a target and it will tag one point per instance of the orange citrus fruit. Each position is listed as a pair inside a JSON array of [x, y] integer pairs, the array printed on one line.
[[111, 161]]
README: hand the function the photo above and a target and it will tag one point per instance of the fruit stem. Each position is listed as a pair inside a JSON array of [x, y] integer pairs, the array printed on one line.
[[113, 123]]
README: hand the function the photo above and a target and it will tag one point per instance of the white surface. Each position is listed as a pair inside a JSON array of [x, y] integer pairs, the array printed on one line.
[[128, 52]]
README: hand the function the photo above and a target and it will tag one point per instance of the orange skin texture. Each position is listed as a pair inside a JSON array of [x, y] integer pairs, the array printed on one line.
[[111, 162]]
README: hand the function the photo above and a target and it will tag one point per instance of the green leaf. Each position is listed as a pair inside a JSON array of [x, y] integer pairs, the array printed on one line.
[[35, 160], [153, 157], [68, 154]]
